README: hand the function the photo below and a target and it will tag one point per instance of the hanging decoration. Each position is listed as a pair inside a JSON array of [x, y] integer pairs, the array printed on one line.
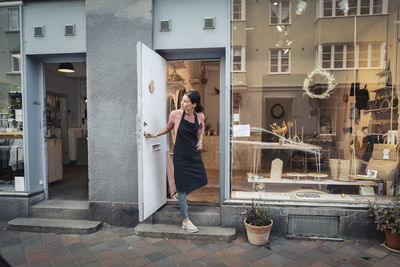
[[277, 111], [330, 80]]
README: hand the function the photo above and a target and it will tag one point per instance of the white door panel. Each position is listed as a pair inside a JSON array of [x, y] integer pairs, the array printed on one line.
[[151, 118]]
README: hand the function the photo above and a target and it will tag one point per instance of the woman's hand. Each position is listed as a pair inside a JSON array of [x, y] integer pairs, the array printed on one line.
[[199, 146], [149, 135]]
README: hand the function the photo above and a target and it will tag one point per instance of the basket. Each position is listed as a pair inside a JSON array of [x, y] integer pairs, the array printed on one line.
[[344, 170], [333, 165]]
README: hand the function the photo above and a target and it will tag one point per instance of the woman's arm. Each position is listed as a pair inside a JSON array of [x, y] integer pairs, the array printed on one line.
[[161, 132], [200, 142]]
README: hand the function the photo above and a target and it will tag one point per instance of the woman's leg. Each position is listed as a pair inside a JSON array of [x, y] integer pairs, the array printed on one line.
[[183, 205]]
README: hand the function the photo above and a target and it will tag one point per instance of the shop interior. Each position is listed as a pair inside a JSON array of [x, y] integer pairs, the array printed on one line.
[[204, 77], [66, 130], [342, 148]]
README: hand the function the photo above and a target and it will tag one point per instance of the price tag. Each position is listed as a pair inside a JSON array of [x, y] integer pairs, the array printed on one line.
[[386, 154]]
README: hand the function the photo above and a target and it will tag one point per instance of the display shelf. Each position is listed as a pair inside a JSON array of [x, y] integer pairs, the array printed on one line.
[[306, 181], [174, 84], [379, 110]]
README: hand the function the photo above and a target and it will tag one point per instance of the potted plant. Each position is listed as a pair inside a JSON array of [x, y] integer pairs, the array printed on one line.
[[387, 219], [258, 223]]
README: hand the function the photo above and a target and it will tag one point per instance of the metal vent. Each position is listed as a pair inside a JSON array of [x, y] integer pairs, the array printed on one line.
[[165, 25], [38, 31], [209, 23], [317, 226], [69, 30]]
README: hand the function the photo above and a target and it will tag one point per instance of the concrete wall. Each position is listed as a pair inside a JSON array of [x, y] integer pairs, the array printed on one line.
[[113, 28], [187, 24], [57, 15]]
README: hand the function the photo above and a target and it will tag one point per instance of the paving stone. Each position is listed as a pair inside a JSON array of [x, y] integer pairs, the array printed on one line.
[[250, 256], [116, 243], [208, 260], [11, 242], [131, 238], [86, 259], [376, 252], [12, 248], [93, 264], [288, 254], [191, 264], [57, 251], [13, 261], [67, 263], [99, 248], [350, 250], [111, 261], [122, 264], [125, 232], [155, 256], [276, 259], [141, 261], [123, 248], [61, 258], [106, 254], [314, 254], [32, 242], [40, 263], [164, 263], [14, 254], [130, 255], [220, 264], [166, 248]]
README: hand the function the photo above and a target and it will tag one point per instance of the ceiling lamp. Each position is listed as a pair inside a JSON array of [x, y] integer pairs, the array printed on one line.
[[66, 67]]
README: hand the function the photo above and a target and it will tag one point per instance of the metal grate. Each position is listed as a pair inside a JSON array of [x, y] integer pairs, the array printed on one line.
[[165, 25], [69, 30], [209, 23], [318, 226], [38, 31]]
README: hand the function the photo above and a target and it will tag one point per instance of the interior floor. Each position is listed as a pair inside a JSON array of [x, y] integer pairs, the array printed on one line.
[[74, 185], [208, 193]]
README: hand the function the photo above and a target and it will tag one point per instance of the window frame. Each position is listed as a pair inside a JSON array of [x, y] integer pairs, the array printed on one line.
[[242, 58], [356, 56], [12, 65], [280, 50], [10, 14], [280, 13], [358, 11], [242, 11]]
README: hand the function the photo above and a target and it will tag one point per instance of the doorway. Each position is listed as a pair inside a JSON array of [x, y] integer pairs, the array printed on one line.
[[66, 132], [202, 76]]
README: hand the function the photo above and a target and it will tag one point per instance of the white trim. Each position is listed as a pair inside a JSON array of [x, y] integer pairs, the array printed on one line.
[[358, 11], [242, 11], [280, 50], [10, 20], [280, 13], [11, 3], [12, 66]]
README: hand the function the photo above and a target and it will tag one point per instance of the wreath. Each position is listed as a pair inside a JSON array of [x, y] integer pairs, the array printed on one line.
[[273, 110], [309, 79]]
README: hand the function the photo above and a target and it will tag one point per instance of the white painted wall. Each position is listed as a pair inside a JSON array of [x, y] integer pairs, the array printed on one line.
[[54, 15], [187, 24]]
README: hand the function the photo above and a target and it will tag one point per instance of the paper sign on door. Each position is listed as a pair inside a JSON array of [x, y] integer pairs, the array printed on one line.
[[241, 130]]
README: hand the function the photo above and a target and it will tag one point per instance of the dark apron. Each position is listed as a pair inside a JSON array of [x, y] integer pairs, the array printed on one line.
[[189, 170]]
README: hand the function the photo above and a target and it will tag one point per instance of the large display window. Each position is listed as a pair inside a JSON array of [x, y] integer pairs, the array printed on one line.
[[315, 112], [11, 115]]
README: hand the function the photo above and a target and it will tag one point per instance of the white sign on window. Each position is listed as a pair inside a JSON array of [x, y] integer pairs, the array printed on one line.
[[241, 130]]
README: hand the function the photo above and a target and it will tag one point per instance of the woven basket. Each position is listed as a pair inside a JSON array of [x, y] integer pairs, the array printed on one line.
[[334, 166], [344, 170]]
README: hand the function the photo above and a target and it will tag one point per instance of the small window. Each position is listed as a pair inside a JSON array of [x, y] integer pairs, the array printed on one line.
[[13, 19], [279, 12], [328, 8], [356, 7], [15, 61], [238, 59], [279, 60], [238, 9]]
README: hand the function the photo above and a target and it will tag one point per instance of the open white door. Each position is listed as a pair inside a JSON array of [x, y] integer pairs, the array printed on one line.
[[151, 110]]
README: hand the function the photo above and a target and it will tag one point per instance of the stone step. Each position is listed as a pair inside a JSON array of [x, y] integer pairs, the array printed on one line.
[[199, 215], [53, 225], [205, 233], [60, 209]]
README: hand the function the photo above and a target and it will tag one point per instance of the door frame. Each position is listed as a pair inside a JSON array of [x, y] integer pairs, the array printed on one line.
[[220, 54], [35, 137]]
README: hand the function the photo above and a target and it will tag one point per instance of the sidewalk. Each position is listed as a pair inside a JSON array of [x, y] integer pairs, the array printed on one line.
[[117, 246]]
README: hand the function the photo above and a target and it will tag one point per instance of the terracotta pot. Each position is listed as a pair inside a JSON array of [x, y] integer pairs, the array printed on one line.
[[392, 240], [258, 235]]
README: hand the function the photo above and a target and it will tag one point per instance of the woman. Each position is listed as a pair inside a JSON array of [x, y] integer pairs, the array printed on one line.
[[189, 171]]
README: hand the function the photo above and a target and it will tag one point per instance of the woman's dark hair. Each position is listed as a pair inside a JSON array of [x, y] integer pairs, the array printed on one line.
[[195, 99]]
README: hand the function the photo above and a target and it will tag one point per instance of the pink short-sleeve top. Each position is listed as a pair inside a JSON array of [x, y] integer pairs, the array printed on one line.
[[175, 119]]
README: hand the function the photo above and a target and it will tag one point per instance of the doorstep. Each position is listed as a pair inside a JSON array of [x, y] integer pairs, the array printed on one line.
[[205, 233]]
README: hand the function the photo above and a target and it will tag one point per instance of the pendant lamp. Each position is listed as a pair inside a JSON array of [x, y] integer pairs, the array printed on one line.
[[66, 67]]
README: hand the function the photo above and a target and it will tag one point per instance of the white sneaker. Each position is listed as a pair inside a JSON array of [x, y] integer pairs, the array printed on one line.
[[189, 226]]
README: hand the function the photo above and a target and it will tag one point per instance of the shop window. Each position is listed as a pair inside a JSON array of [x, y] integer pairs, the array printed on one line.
[[279, 12], [13, 19], [239, 10], [341, 56], [238, 59], [15, 61], [279, 60], [332, 8]]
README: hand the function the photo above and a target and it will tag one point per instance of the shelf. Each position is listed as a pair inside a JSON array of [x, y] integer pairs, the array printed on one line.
[[308, 181], [378, 109]]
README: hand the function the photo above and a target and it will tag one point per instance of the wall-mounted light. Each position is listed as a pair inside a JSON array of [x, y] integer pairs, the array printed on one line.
[[66, 67], [301, 7]]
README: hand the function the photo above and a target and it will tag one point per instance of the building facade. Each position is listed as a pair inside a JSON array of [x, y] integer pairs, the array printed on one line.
[[300, 101]]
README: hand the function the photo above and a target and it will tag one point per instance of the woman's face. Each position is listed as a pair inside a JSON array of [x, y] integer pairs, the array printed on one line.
[[186, 104]]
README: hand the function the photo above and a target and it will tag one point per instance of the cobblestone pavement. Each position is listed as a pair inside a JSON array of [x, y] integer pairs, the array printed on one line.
[[116, 246]]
